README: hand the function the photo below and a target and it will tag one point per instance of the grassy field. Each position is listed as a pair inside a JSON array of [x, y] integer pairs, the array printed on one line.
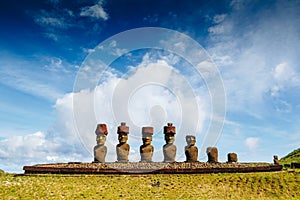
[[272, 185]]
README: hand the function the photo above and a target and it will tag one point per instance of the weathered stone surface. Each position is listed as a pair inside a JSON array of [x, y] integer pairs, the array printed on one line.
[[100, 153], [147, 131], [122, 152], [123, 148], [146, 150], [100, 150], [212, 153], [232, 157], [153, 167], [191, 151], [101, 129], [169, 149], [276, 160], [169, 129], [123, 128], [295, 165]]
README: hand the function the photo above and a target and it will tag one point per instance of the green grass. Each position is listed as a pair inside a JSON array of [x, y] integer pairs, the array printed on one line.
[[291, 157], [272, 185]]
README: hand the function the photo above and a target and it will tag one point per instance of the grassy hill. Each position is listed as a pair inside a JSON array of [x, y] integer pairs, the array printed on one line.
[[291, 157], [265, 185]]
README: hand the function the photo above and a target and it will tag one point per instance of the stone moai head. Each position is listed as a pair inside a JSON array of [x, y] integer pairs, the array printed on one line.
[[232, 157], [212, 153], [123, 132], [147, 133], [169, 132], [190, 140], [101, 132]]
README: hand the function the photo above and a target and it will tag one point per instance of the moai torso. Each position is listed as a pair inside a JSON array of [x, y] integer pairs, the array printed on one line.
[[276, 160], [191, 153], [100, 153], [146, 152], [122, 152], [232, 157], [169, 151], [212, 153]]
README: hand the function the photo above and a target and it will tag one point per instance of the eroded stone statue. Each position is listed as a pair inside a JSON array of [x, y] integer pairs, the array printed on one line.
[[100, 149], [212, 153], [169, 149], [276, 160], [146, 150], [191, 151], [232, 157], [123, 148]]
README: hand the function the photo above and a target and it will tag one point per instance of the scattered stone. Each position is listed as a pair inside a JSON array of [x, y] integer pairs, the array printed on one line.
[[191, 151], [276, 160], [295, 165], [232, 157], [212, 153]]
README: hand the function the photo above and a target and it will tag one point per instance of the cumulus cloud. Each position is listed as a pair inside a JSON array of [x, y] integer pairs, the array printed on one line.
[[35, 148], [256, 53], [252, 143], [95, 11], [152, 93]]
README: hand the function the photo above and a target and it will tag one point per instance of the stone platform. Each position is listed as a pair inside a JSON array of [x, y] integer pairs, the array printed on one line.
[[149, 168]]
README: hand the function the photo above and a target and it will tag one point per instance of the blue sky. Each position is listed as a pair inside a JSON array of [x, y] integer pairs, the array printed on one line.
[[45, 47]]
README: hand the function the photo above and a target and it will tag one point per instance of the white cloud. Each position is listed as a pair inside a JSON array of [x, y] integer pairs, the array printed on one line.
[[219, 18], [252, 143], [95, 11], [17, 151], [153, 93], [51, 21], [246, 50], [20, 81]]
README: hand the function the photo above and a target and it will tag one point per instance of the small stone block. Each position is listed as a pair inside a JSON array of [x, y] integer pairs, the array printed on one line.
[[123, 128], [101, 129], [169, 129]]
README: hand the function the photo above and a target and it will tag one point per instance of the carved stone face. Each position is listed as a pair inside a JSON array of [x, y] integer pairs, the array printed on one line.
[[101, 139], [190, 141], [123, 137], [147, 140], [169, 138]]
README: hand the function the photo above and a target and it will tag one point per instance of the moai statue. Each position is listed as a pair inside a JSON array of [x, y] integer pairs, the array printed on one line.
[[146, 150], [232, 158], [169, 149], [212, 153], [276, 160], [100, 149], [191, 151], [123, 148]]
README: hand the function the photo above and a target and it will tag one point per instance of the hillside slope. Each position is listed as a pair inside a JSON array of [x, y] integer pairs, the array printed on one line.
[[291, 157]]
